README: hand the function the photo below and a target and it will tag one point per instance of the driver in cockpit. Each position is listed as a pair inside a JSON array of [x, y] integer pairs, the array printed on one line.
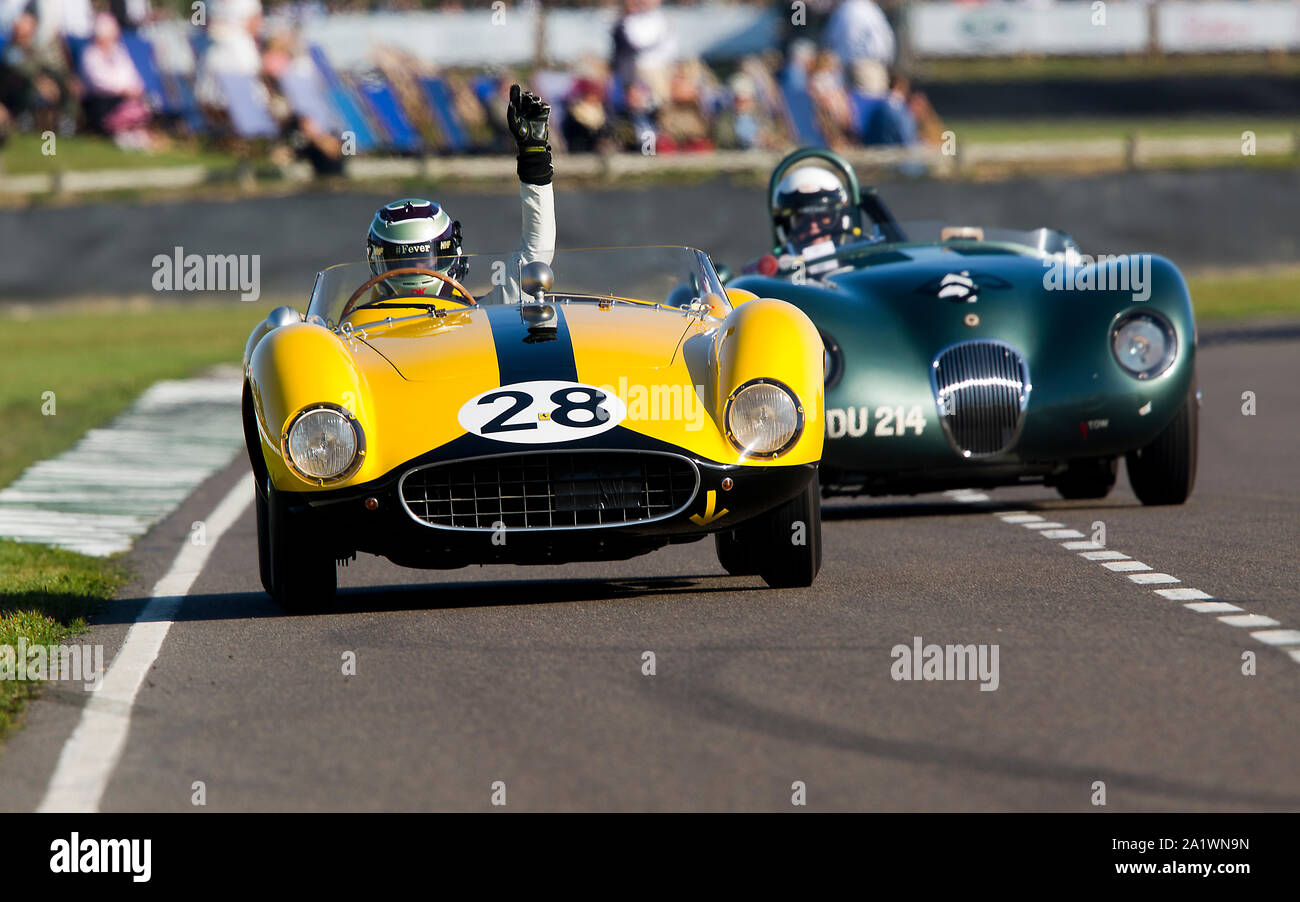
[[812, 217], [414, 232]]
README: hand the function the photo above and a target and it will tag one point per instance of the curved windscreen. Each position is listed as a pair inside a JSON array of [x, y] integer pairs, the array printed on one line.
[[824, 258], [672, 277]]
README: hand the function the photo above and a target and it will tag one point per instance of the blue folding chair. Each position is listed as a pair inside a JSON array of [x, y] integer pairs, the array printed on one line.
[[307, 96], [345, 104], [802, 117], [178, 89], [444, 114], [76, 47], [248, 113], [146, 63], [387, 111]]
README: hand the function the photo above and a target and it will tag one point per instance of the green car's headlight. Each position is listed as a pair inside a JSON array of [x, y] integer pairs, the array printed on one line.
[[763, 418], [323, 442], [1144, 344]]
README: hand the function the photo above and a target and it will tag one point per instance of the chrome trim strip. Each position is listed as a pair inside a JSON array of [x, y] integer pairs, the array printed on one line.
[[401, 493]]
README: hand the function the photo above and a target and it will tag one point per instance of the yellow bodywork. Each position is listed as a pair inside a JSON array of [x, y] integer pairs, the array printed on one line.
[[405, 382]]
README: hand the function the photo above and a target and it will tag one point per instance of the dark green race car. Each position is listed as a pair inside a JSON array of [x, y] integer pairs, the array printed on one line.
[[959, 357]]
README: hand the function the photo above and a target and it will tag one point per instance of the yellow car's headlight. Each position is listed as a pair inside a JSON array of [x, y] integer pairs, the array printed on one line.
[[763, 418], [323, 442]]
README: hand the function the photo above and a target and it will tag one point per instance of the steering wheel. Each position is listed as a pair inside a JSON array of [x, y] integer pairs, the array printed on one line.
[[405, 271]]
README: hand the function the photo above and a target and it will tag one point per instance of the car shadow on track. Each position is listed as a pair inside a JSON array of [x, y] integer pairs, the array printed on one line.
[[441, 596]]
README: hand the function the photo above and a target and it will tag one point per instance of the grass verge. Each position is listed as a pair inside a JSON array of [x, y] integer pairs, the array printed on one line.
[[96, 361], [46, 594], [1246, 294], [24, 155]]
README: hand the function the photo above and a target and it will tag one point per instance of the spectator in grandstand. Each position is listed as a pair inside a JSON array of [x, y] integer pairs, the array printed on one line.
[[644, 46], [741, 124], [308, 141], [58, 20], [929, 127], [233, 26], [682, 121], [586, 128], [800, 22], [131, 15], [800, 59], [868, 96], [35, 81], [830, 100], [858, 30], [10, 10], [114, 102], [636, 127]]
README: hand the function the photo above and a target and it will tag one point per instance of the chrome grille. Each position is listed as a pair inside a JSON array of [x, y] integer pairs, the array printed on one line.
[[982, 388], [550, 490]]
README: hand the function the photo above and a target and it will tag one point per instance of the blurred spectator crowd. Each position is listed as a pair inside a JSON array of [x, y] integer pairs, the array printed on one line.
[[232, 75]]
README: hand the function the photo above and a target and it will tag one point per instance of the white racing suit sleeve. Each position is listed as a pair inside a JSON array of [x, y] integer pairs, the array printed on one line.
[[539, 223], [537, 243]]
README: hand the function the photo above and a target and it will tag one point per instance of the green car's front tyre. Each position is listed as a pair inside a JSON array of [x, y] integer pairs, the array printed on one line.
[[784, 546], [1091, 477], [1164, 471], [295, 572]]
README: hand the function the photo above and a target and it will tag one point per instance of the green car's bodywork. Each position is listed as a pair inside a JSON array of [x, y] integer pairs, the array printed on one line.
[[891, 307]]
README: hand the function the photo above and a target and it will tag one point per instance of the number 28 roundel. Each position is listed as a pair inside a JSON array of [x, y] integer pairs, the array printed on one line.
[[535, 413]]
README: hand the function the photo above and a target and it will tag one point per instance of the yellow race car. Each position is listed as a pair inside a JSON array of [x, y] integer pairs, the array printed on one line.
[[597, 407]]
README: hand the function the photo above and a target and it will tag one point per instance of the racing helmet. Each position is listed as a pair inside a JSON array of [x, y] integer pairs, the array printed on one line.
[[810, 204], [415, 232]]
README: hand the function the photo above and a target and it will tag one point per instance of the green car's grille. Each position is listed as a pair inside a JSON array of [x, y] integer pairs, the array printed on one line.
[[550, 490], [982, 388]]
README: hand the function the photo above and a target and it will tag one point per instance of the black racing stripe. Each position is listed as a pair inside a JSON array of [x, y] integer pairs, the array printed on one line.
[[523, 356]]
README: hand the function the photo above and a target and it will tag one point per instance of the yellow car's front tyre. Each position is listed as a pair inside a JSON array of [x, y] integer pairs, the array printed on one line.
[[783, 546], [302, 577], [733, 554]]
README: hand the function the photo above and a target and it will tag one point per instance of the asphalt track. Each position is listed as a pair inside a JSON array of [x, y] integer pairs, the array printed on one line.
[[533, 677]]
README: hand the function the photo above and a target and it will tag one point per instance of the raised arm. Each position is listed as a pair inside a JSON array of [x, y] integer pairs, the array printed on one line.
[[528, 118]]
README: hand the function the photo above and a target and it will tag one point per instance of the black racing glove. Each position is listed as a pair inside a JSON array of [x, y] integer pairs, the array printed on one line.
[[527, 119]]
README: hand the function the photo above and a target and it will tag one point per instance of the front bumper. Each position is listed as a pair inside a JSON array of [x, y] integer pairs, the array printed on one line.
[[371, 517]]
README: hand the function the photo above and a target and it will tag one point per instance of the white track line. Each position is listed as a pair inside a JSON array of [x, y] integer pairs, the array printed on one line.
[[120, 479], [1211, 607], [1184, 594], [1125, 566], [91, 753], [1248, 620], [1104, 556], [1153, 579], [1265, 629]]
